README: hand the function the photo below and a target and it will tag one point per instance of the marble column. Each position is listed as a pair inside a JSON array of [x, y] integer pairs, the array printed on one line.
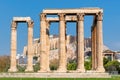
[[92, 39], [94, 57], [80, 61], [13, 63], [100, 67], [47, 45], [62, 46], [95, 54], [76, 40], [30, 47], [43, 53]]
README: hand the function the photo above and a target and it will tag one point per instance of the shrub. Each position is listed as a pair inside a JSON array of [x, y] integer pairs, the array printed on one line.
[[4, 63], [112, 66], [21, 68], [88, 65], [105, 60], [36, 67], [71, 66], [54, 64]]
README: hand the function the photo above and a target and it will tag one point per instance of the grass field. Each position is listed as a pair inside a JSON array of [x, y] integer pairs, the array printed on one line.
[[113, 78]]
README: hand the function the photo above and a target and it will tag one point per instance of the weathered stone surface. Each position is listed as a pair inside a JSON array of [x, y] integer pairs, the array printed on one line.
[[56, 75], [21, 19], [13, 65], [80, 10], [63, 16]]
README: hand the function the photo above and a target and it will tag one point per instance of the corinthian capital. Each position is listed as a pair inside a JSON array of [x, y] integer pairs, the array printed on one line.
[[43, 16], [14, 24], [100, 16], [30, 24], [80, 16], [61, 16]]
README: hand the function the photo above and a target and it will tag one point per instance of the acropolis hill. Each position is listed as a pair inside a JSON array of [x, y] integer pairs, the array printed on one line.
[[54, 46]]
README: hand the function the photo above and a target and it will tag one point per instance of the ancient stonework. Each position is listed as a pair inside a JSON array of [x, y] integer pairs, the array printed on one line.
[[64, 15], [13, 66]]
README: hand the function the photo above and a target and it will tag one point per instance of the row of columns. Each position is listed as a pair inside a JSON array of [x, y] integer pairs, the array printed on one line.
[[13, 66], [97, 41], [97, 44]]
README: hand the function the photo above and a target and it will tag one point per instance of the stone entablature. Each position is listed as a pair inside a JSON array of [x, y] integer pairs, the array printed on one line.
[[74, 11], [21, 19]]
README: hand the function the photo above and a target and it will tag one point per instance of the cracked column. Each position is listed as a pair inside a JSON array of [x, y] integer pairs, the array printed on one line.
[[80, 61], [13, 67], [47, 45], [30, 47], [99, 45], [43, 54], [62, 44]]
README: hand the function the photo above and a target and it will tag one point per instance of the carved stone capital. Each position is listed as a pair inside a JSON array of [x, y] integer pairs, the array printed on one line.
[[30, 24], [80, 16], [61, 16], [14, 24], [100, 16], [43, 16]]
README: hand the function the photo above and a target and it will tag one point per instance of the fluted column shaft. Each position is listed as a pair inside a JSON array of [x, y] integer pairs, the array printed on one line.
[[94, 56], [92, 38], [43, 53], [62, 42], [13, 61], [30, 47], [80, 61], [47, 45], [100, 67]]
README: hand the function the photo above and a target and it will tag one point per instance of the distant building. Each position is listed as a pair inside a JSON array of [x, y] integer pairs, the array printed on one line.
[[112, 55]]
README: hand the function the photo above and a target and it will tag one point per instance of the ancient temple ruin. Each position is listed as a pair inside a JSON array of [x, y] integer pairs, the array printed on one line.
[[64, 15]]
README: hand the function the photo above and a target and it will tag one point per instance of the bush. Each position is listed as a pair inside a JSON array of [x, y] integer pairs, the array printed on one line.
[[21, 68], [4, 63], [54, 64], [71, 66], [53, 67], [88, 65], [105, 60], [36, 67], [112, 66]]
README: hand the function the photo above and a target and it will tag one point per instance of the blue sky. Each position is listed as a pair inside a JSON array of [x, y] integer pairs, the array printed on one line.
[[32, 8]]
